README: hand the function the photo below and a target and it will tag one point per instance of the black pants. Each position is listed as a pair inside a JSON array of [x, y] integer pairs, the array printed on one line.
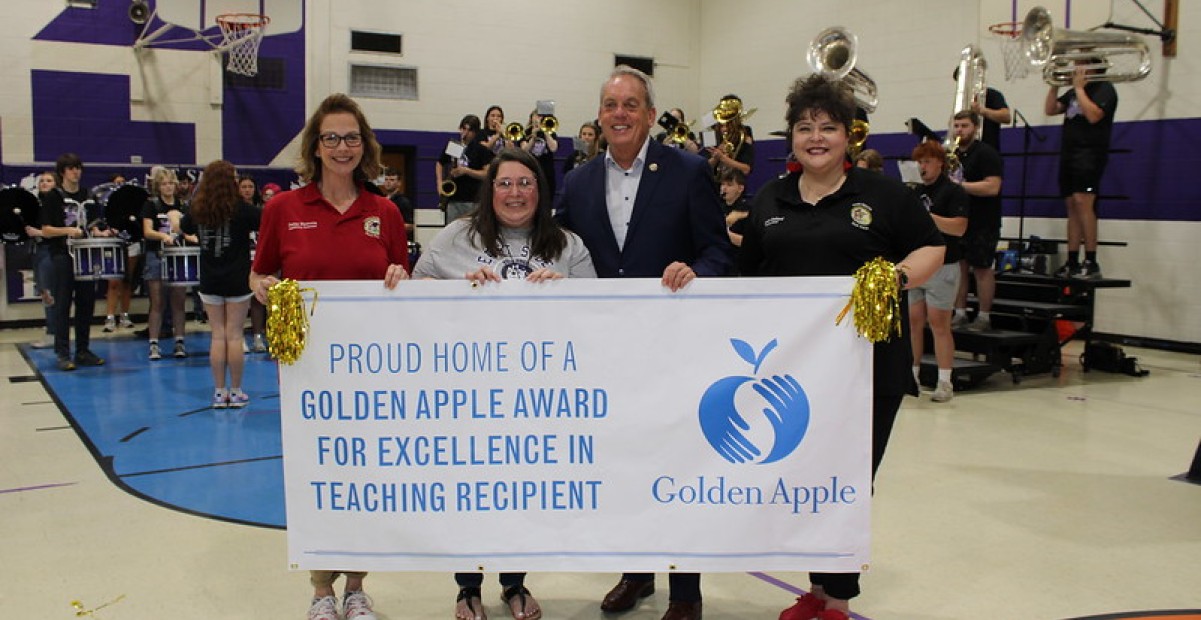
[[682, 587], [884, 414], [66, 290]]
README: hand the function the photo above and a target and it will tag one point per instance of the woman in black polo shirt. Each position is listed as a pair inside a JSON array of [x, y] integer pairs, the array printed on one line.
[[830, 219]]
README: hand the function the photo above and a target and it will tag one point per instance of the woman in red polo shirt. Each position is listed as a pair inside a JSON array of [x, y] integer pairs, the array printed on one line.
[[333, 229]]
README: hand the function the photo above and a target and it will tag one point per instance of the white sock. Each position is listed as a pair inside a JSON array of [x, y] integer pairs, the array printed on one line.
[[982, 317], [944, 375], [917, 373]]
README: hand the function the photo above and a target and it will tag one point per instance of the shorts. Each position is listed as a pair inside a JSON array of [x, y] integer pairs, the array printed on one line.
[[218, 300], [153, 269], [980, 247], [1080, 171], [939, 291]]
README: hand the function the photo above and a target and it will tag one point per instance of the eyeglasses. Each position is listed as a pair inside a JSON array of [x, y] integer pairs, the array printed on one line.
[[331, 140], [524, 184]]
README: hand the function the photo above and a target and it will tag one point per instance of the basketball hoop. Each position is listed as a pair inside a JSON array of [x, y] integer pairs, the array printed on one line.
[[1010, 35], [240, 37]]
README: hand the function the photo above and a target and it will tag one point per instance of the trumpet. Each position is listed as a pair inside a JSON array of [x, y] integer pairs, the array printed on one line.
[[447, 188], [549, 125], [1107, 57], [514, 133], [833, 53], [679, 133]]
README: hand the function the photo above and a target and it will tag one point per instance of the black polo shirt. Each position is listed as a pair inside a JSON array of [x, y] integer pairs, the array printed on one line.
[[870, 216], [945, 199], [979, 162]]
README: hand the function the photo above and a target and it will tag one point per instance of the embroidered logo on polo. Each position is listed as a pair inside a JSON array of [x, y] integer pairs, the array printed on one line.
[[772, 221], [861, 215], [371, 226], [302, 225]]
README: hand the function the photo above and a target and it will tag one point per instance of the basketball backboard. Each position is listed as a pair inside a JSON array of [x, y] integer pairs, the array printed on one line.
[[200, 15]]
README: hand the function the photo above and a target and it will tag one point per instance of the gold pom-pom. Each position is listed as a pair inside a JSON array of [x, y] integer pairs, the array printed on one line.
[[287, 321], [876, 298]]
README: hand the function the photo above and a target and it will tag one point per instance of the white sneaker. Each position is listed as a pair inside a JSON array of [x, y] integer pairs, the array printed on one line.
[[959, 319], [357, 606], [110, 324], [259, 346], [324, 608], [125, 323], [943, 392], [46, 342]]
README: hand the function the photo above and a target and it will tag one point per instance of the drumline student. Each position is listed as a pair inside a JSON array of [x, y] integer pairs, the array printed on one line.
[[160, 216], [220, 221], [43, 268], [64, 216]]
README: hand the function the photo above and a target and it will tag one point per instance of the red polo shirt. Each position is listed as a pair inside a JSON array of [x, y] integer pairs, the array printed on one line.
[[304, 237]]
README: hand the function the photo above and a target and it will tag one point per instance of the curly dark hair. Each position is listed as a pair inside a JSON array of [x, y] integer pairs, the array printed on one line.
[[818, 93], [547, 240], [217, 198]]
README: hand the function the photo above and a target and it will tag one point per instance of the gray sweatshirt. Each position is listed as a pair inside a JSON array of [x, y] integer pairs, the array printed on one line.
[[452, 255]]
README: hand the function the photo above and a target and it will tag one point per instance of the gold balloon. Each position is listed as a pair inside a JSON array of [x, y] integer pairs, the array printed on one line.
[[287, 321], [876, 298]]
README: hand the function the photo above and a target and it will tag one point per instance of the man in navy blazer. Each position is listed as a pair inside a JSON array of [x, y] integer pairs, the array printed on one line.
[[646, 210]]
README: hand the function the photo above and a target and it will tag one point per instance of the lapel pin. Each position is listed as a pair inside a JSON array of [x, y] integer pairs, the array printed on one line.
[[654, 167]]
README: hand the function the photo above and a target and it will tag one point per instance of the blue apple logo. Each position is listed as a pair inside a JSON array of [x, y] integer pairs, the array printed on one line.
[[783, 403]]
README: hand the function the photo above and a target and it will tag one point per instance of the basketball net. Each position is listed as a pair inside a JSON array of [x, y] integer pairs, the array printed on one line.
[[1010, 35], [241, 34]]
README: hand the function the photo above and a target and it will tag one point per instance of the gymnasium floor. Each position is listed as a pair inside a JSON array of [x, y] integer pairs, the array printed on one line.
[[122, 492]]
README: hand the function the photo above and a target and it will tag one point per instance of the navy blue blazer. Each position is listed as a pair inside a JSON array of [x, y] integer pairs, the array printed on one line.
[[677, 216]]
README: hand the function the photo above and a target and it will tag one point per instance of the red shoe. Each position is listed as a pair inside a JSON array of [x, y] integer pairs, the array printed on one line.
[[832, 614], [807, 607]]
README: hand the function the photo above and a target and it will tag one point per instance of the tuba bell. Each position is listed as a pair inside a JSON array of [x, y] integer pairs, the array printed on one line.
[[1108, 57], [969, 88], [514, 133], [832, 53]]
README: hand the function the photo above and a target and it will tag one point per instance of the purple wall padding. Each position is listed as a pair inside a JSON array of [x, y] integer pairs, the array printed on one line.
[[88, 114]]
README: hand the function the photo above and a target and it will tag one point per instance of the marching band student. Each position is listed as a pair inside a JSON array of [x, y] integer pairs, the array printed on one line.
[[872, 160], [586, 147], [492, 137], [43, 266], [220, 220], [665, 137], [160, 217], [339, 154], [980, 176], [542, 145], [738, 135], [466, 170], [64, 216]]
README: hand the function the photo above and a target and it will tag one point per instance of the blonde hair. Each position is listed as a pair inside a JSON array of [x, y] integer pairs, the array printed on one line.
[[159, 176]]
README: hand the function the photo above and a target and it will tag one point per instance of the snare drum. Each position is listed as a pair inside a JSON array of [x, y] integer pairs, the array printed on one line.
[[98, 259], [181, 266]]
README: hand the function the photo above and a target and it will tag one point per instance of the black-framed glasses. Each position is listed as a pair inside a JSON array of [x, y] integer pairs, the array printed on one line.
[[524, 184], [331, 140]]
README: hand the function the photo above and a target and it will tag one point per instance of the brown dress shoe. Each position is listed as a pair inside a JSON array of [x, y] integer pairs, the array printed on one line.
[[683, 611], [625, 595]]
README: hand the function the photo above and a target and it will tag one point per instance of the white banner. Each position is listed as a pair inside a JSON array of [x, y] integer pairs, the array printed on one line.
[[581, 425]]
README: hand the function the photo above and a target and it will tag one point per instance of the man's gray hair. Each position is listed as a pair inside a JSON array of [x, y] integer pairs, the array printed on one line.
[[624, 70]]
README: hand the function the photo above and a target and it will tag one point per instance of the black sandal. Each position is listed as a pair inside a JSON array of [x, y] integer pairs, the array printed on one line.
[[520, 591], [468, 594]]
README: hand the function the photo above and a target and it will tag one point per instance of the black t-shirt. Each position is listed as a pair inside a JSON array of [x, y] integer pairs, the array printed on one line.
[[225, 252], [61, 209], [475, 157], [1078, 133], [990, 133], [406, 207], [541, 151], [945, 199], [979, 162], [870, 216], [155, 211]]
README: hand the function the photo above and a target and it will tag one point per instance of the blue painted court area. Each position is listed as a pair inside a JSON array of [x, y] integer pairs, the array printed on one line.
[[152, 430]]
